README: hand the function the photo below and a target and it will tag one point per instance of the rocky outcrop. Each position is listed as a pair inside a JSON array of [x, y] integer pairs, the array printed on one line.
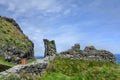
[[89, 53], [50, 48], [14, 44]]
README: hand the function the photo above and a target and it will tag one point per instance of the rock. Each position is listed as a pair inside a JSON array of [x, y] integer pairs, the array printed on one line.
[[35, 69], [50, 48], [8, 58], [76, 48], [89, 48]]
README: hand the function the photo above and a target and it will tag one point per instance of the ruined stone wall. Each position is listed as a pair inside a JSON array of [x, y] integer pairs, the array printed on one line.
[[37, 67], [89, 53], [34, 68], [50, 48]]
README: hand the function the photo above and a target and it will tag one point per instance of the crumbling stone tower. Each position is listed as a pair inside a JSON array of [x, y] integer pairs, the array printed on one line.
[[50, 47]]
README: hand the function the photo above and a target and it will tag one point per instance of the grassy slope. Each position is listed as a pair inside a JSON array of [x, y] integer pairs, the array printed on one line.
[[10, 35], [67, 69]]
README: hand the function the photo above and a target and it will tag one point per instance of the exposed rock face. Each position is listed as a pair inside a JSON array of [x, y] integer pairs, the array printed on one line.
[[14, 45], [50, 47], [89, 53]]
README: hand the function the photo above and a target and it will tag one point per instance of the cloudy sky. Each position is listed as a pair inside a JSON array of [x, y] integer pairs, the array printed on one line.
[[87, 22]]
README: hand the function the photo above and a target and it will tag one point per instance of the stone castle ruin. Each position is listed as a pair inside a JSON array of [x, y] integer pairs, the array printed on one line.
[[50, 48], [89, 53]]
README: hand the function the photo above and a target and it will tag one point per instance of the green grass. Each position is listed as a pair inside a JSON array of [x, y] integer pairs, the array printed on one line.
[[67, 69], [3, 62], [56, 76], [4, 65], [21, 77]]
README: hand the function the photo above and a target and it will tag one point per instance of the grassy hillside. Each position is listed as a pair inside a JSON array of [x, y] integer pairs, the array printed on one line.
[[11, 35], [14, 44], [67, 69]]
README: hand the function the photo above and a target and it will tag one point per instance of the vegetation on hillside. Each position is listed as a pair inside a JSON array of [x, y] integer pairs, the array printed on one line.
[[14, 44], [22, 76], [70, 69], [10, 35]]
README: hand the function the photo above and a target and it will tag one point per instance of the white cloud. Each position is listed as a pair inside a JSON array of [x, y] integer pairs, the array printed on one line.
[[38, 20], [28, 7], [65, 36], [22, 6]]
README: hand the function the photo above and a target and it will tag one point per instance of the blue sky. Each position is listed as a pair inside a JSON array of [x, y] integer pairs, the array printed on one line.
[[87, 22]]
